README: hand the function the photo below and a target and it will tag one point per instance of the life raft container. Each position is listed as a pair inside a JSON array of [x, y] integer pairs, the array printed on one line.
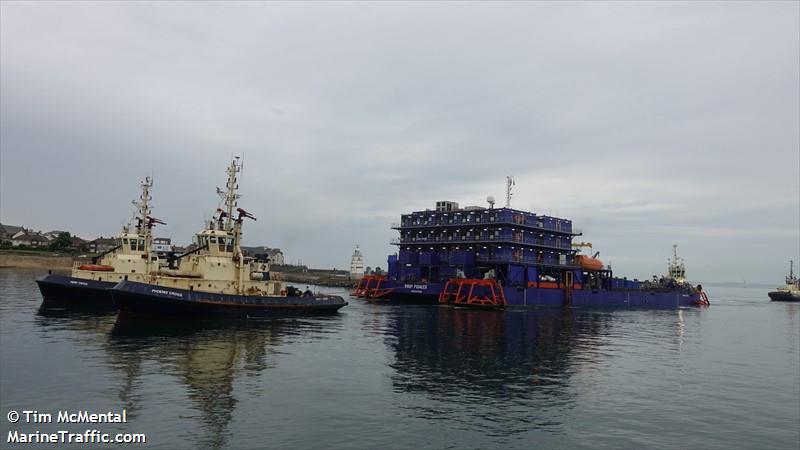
[[589, 263], [96, 267]]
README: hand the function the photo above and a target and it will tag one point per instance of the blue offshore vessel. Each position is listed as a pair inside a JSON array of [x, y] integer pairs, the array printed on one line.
[[498, 257]]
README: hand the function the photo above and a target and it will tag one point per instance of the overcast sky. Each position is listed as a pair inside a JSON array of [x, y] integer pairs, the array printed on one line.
[[647, 124]]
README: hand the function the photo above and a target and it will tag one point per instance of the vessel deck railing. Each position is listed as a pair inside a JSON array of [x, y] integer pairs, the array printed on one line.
[[454, 223], [526, 260], [479, 240]]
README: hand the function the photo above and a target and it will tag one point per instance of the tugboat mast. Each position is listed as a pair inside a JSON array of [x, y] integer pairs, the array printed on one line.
[[230, 224], [143, 207], [229, 195]]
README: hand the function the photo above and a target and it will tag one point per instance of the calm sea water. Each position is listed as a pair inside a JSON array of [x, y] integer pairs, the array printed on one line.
[[378, 376]]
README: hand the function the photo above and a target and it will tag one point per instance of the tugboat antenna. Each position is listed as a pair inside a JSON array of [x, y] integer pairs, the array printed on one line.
[[509, 182]]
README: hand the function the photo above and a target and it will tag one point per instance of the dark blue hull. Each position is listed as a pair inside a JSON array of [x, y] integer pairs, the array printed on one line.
[[428, 293], [783, 296], [133, 298], [65, 290]]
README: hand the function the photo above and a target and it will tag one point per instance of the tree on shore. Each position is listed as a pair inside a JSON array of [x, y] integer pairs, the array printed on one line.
[[62, 242]]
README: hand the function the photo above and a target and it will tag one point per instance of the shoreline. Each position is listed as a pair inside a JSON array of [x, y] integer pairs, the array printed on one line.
[[45, 261], [317, 280]]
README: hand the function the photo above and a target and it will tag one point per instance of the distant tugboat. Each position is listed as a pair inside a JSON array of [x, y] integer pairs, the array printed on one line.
[[216, 279], [130, 259], [790, 292], [675, 268], [676, 278]]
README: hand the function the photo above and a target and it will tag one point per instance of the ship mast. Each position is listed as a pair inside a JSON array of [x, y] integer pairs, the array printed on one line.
[[229, 195], [509, 182], [143, 207], [145, 222], [233, 225]]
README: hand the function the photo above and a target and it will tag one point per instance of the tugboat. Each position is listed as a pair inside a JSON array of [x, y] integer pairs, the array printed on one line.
[[130, 259], [790, 292], [216, 279], [675, 268], [499, 257], [676, 278]]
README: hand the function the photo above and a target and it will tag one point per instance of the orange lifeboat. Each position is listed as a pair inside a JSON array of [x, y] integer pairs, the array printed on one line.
[[96, 267], [589, 263]]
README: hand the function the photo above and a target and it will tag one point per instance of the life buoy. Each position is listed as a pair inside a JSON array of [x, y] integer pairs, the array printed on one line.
[[96, 267]]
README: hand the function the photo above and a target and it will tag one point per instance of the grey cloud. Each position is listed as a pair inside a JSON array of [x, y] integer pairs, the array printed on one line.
[[646, 123]]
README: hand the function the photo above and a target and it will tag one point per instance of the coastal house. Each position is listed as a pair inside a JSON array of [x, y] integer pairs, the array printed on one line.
[[274, 255], [53, 234], [162, 245], [101, 245], [30, 239], [78, 243], [7, 232]]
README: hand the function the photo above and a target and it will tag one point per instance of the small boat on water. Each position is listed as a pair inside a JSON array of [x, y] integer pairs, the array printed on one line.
[[131, 258], [790, 292], [216, 279]]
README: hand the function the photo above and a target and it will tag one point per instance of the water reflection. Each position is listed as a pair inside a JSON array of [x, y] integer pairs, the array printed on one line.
[[793, 325], [205, 357], [458, 378], [92, 326], [510, 371]]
